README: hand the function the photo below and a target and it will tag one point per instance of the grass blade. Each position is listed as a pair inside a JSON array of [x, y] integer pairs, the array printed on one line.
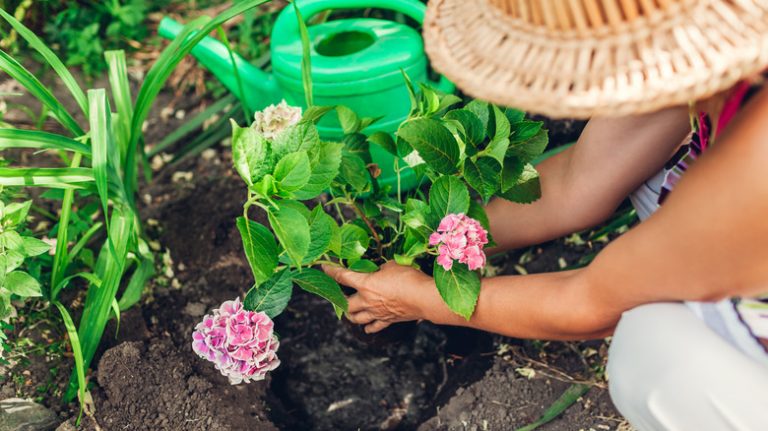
[[91, 278], [132, 294], [98, 302], [18, 138], [81, 243], [74, 341], [62, 237], [100, 140], [161, 70], [192, 125], [567, 399], [306, 62], [61, 178], [121, 93], [39, 91], [223, 36], [51, 58]]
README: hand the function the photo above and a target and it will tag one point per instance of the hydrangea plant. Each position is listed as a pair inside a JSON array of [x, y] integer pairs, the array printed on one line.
[[462, 154]]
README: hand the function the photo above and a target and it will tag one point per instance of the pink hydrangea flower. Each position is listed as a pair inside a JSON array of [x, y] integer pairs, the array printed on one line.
[[460, 238], [240, 343]]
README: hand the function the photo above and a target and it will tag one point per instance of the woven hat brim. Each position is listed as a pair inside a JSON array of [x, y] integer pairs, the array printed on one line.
[[691, 51]]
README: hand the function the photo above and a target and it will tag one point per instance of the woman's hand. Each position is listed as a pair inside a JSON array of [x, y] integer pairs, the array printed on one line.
[[393, 294]]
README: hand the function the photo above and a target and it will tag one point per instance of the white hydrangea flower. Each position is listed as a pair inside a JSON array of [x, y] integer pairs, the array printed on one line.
[[276, 118], [413, 159]]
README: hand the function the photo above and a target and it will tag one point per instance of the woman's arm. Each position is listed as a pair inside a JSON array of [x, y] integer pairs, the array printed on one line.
[[708, 241], [583, 185]]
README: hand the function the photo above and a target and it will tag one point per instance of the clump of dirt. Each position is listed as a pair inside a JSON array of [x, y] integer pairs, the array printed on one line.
[[156, 387]]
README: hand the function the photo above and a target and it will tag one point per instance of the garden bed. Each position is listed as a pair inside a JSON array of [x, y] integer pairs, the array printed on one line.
[[422, 376]]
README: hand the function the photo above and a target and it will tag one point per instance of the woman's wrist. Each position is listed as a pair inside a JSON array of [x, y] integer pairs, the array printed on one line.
[[431, 306]]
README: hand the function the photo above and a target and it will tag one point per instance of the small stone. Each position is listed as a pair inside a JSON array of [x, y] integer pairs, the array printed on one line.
[[194, 309], [17, 414], [208, 154]]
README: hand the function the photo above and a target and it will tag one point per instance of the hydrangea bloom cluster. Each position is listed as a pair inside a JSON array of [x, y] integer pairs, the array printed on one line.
[[239, 342], [461, 238], [276, 118]]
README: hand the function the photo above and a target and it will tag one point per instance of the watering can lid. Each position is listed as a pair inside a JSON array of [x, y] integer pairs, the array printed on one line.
[[392, 47]]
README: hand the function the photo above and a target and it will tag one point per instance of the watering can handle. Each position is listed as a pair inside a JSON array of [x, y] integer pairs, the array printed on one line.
[[286, 25]]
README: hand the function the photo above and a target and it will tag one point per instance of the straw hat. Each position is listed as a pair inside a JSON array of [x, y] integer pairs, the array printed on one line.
[[579, 58]]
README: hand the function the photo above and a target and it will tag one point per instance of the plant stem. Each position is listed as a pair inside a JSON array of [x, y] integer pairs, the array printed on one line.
[[368, 223]]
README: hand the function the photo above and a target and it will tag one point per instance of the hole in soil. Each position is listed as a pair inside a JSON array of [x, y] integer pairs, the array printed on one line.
[[332, 378], [344, 43]]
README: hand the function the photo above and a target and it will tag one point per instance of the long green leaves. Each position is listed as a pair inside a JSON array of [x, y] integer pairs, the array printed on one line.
[[121, 93], [98, 302], [18, 138], [51, 58], [162, 69], [61, 258], [100, 142], [306, 62], [74, 340], [60, 178], [36, 88]]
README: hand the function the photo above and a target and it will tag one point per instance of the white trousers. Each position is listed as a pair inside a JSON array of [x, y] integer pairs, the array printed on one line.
[[667, 370]]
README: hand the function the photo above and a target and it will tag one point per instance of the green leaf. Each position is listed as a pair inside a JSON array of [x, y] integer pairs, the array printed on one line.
[[15, 214], [323, 228], [306, 57], [300, 136], [484, 175], [39, 91], [514, 115], [34, 247], [80, 361], [435, 143], [11, 260], [250, 154], [63, 178], [64, 74], [567, 399], [353, 171], [354, 242], [11, 240], [474, 131], [385, 141], [272, 296], [364, 265], [319, 283], [143, 273], [121, 94], [477, 212], [498, 126], [448, 195], [260, 248], [510, 175], [527, 189], [525, 130], [292, 171], [35, 139], [415, 105], [481, 110], [314, 113], [101, 142], [350, 122], [459, 288], [531, 148], [415, 213], [324, 161], [292, 229], [22, 284]]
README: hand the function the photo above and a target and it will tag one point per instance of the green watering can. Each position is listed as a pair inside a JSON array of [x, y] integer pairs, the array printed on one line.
[[356, 62]]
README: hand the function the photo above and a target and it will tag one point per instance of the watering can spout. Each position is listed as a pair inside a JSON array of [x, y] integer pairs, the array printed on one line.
[[260, 88]]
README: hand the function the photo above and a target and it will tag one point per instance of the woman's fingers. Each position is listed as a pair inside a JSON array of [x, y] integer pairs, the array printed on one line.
[[343, 276], [376, 326], [355, 304], [361, 318]]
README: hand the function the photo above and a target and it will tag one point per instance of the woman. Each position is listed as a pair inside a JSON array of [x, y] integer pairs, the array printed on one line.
[[689, 345]]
